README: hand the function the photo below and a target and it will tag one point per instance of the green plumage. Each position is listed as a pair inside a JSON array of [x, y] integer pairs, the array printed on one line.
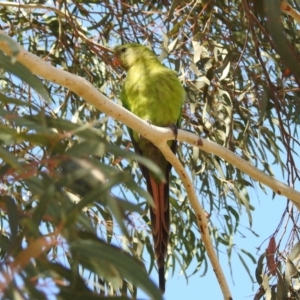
[[152, 92]]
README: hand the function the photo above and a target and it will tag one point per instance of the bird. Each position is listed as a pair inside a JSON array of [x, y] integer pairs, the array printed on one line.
[[154, 93]]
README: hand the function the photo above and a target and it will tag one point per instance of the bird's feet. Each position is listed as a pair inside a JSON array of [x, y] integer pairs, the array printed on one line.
[[172, 126]]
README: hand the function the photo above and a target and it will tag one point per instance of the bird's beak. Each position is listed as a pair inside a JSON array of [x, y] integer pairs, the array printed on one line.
[[116, 62]]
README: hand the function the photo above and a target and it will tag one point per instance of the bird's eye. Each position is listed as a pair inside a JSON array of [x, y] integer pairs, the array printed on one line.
[[123, 50]]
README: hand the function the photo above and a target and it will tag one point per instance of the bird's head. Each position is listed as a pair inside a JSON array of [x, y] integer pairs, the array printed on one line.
[[129, 54]]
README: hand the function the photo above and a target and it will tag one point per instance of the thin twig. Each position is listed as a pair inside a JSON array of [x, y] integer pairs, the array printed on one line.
[[159, 137]]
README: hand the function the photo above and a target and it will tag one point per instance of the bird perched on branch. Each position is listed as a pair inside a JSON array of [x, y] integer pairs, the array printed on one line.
[[152, 92]]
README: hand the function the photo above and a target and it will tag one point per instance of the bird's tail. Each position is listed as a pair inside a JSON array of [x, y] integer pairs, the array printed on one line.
[[160, 223]]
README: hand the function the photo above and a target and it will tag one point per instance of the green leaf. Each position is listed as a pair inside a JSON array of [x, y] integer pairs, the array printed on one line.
[[13, 215], [259, 269], [284, 48], [24, 74], [295, 252], [105, 259], [10, 159], [66, 294]]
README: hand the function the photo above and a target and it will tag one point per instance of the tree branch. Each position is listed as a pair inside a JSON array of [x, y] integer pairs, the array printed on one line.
[[277, 186], [63, 14], [159, 137]]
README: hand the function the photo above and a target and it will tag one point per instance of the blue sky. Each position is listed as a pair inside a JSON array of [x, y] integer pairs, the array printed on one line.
[[266, 217]]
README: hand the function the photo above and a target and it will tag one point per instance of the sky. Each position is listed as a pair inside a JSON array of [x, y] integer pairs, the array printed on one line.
[[266, 217], [240, 284]]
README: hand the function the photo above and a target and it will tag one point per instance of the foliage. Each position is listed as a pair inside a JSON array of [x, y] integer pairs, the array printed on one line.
[[70, 189]]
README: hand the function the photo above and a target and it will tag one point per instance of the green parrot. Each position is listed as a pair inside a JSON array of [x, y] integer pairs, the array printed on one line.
[[152, 92]]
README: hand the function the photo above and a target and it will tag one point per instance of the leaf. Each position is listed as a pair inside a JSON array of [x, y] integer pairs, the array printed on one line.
[[284, 48], [201, 82], [246, 267], [242, 196], [259, 269], [195, 69], [263, 106], [197, 51], [233, 212], [13, 215], [249, 255], [224, 71], [101, 256], [66, 294], [6, 100], [281, 293], [177, 26], [43, 204], [172, 45], [290, 270], [266, 287], [10, 159], [172, 8], [24, 74], [295, 252]]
